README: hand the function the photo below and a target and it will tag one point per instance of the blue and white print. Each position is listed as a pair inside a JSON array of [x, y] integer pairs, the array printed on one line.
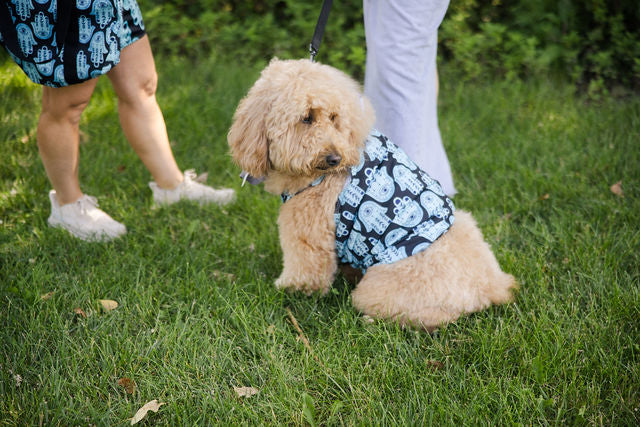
[[408, 213], [98, 49], [373, 216], [82, 68], [25, 39], [41, 26], [53, 9], [389, 209], [85, 29], [380, 184], [97, 32], [103, 12], [22, 8], [83, 4], [352, 194]]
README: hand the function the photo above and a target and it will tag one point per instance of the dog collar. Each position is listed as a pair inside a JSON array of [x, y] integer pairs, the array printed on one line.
[[286, 196], [251, 179]]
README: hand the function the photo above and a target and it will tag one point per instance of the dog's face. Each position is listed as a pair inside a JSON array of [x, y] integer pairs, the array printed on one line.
[[300, 119]]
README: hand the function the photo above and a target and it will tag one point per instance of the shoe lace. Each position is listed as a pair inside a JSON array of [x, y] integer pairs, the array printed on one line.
[[190, 174], [87, 202]]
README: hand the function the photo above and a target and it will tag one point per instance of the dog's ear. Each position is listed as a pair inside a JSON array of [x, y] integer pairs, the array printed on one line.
[[247, 137]]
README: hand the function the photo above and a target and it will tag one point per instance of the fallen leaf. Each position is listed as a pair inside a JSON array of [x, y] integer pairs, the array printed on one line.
[[80, 312], [46, 296], [18, 379], [153, 405], [434, 364], [367, 319], [108, 304], [202, 178], [128, 384], [217, 274], [245, 391], [82, 137], [617, 189], [252, 247], [121, 168], [544, 196]]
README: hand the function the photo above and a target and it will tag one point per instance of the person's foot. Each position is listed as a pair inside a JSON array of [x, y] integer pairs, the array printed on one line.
[[84, 219], [191, 190]]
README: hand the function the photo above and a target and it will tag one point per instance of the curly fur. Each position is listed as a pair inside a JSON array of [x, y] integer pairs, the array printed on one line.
[[295, 122]]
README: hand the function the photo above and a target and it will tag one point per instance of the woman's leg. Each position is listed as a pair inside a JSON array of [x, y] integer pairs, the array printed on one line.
[[58, 145], [58, 136], [401, 78], [134, 80]]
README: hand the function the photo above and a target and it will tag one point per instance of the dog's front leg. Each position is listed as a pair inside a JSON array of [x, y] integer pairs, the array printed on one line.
[[308, 246]]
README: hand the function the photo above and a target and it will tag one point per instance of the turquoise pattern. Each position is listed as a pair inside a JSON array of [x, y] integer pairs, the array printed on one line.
[[96, 32], [390, 209]]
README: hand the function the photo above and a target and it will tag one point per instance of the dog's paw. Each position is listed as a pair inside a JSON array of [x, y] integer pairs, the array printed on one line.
[[290, 284], [284, 283]]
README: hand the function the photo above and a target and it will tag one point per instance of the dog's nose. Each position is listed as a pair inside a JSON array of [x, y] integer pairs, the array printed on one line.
[[333, 159]]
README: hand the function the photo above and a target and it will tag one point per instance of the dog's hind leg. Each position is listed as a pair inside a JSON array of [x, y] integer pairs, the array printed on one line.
[[457, 274]]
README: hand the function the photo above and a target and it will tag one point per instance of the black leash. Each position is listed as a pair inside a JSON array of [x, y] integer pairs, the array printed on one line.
[[319, 31]]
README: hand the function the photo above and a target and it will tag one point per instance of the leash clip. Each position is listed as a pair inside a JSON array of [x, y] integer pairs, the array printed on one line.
[[316, 40]]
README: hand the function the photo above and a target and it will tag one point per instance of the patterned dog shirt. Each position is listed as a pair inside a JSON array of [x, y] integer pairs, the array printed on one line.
[[389, 209]]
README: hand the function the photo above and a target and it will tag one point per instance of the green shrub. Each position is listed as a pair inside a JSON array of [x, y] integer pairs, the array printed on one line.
[[248, 30], [594, 43]]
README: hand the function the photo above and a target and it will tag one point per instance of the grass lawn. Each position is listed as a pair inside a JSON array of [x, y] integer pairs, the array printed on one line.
[[198, 314]]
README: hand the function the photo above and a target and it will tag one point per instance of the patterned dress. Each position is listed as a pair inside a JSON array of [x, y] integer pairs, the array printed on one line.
[[58, 44], [390, 209]]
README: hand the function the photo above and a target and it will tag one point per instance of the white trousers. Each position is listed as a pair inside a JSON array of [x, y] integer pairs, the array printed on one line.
[[401, 78]]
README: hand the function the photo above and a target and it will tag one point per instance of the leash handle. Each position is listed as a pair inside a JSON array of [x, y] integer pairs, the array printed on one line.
[[319, 31]]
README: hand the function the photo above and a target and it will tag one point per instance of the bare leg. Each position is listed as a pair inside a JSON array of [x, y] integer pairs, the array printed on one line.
[[134, 80], [58, 136]]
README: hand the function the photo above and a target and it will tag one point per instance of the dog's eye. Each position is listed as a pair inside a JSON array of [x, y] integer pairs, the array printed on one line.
[[308, 120]]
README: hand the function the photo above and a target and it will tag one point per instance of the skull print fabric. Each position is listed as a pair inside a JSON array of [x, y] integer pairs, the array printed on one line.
[[57, 53], [389, 209]]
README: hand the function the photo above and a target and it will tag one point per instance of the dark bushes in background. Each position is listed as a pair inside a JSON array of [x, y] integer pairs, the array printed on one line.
[[596, 43]]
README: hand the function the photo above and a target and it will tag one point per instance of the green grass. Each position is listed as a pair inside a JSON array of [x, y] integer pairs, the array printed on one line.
[[198, 313]]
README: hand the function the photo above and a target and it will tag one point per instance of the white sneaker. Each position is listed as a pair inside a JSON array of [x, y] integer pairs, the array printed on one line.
[[191, 190], [83, 219]]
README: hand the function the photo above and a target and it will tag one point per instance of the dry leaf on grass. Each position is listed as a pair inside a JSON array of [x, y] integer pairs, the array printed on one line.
[[153, 405], [108, 304], [202, 178], [80, 312], [46, 296], [544, 196], [617, 189], [245, 391], [217, 274], [434, 364], [128, 384]]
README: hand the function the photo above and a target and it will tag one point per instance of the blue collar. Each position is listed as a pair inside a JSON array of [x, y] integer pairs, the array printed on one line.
[[286, 196]]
